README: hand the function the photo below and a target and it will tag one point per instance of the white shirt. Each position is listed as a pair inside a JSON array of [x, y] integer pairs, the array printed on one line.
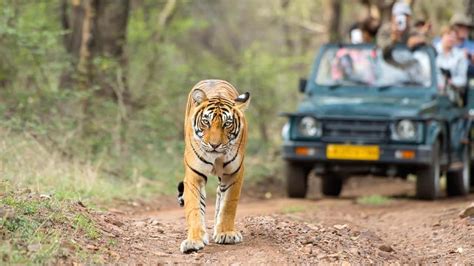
[[456, 62]]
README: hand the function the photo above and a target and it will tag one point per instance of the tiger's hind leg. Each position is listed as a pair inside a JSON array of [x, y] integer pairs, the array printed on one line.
[[195, 207], [228, 194]]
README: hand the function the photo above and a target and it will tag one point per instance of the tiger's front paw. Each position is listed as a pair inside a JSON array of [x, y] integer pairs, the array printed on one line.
[[230, 237], [205, 239], [188, 245]]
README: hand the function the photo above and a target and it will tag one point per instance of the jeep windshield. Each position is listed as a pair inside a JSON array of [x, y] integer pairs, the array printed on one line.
[[366, 66]]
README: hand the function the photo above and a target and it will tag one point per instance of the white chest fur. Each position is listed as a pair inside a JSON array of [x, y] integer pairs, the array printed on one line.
[[218, 164]]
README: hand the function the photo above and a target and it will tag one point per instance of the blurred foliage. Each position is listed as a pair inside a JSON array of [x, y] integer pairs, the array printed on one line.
[[259, 46]]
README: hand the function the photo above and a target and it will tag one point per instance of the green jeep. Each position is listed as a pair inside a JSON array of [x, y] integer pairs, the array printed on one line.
[[386, 113]]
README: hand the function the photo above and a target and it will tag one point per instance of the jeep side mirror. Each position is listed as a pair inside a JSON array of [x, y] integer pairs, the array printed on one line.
[[302, 84]]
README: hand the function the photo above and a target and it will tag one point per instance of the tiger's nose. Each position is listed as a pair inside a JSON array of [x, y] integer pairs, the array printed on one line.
[[215, 146]]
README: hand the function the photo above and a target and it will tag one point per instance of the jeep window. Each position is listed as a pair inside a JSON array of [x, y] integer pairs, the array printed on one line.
[[365, 66]]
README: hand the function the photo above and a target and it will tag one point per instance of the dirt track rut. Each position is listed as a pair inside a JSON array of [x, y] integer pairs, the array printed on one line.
[[308, 231]]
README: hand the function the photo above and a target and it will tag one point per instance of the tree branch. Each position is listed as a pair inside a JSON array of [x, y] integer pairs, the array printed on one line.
[[308, 25], [166, 13]]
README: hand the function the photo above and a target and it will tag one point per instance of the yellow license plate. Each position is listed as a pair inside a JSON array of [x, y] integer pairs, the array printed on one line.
[[352, 152]]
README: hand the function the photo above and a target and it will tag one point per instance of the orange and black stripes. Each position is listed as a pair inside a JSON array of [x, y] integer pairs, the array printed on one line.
[[215, 132], [220, 111], [197, 172], [199, 156]]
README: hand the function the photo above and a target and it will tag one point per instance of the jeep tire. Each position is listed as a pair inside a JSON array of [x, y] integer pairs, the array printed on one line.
[[471, 149], [331, 184], [428, 177], [458, 181], [296, 179]]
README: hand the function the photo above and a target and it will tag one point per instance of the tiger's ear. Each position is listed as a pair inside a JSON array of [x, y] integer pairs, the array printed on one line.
[[199, 96], [242, 101]]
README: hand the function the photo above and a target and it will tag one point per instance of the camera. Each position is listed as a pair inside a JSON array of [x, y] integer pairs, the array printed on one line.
[[401, 21]]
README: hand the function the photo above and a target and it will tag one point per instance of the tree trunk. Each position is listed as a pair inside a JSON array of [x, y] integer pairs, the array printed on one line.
[[95, 40], [164, 19], [84, 65], [334, 8], [263, 131], [469, 4], [384, 9], [290, 46], [96, 29]]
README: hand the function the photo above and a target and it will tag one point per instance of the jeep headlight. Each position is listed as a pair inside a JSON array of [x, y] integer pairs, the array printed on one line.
[[406, 130], [310, 127], [285, 131]]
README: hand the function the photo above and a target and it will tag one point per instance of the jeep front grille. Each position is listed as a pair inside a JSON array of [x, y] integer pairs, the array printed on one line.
[[355, 131]]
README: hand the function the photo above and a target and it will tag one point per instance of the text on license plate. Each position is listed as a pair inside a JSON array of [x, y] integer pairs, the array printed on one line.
[[352, 152]]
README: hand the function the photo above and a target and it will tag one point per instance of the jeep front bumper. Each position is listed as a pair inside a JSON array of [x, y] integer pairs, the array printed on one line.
[[393, 154]]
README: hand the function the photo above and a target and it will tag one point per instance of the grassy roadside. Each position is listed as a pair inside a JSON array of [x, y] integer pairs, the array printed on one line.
[[37, 229], [28, 164], [40, 218]]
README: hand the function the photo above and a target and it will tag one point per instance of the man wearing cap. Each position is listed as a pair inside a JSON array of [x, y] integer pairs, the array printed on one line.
[[451, 65], [399, 31], [462, 24]]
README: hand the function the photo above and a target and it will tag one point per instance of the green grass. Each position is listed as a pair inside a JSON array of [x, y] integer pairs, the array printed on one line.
[[112, 242], [373, 200], [27, 236], [27, 163], [86, 225], [293, 209], [37, 229]]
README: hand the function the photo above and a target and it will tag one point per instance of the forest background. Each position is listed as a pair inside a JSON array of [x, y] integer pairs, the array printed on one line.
[[92, 92]]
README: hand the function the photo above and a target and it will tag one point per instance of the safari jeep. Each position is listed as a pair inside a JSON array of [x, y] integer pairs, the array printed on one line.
[[365, 111]]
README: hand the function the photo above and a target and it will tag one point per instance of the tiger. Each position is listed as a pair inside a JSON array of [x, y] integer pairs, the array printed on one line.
[[215, 130]]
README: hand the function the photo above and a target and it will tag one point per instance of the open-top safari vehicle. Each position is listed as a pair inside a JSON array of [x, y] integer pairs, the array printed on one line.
[[366, 112]]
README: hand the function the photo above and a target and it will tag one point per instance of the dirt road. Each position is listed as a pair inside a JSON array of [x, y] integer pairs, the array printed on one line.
[[306, 231]]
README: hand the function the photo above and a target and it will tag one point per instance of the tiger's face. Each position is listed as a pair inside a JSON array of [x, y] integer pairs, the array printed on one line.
[[217, 122]]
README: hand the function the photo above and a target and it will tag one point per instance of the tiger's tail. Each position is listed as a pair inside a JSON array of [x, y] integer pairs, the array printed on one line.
[[180, 194]]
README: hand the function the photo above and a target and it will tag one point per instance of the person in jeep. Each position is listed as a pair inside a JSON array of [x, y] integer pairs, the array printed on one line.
[[399, 30], [452, 65], [364, 31], [451, 58], [356, 66]]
